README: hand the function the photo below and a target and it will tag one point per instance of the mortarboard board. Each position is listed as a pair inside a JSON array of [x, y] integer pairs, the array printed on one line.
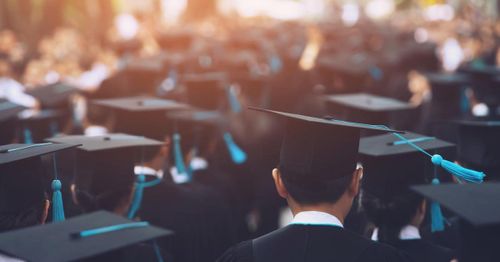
[[78, 238], [38, 125], [319, 149], [479, 145], [9, 110], [53, 95], [477, 206], [141, 115], [107, 162], [447, 93], [22, 179], [367, 108], [391, 165], [8, 114]]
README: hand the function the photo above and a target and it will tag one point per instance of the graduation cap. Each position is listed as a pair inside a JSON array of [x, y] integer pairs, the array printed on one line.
[[141, 115], [447, 93], [78, 238], [53, 95], [479, 145], [392, 166], [367, 108], [22, 177], [37, 125], [317, 149], [206, 90], [107, 162], [477, 206], [200, 119], [8, 114]]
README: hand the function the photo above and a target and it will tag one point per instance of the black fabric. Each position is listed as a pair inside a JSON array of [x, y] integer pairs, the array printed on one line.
[[311, 243], [422, 251]]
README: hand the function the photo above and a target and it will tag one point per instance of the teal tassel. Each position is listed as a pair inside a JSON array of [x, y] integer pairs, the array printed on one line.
[[28, 138], [237, 154], [275, 64], [437, 219], [57, 201], [458, 171], [159, 257], [137, 198], [233, 100], [53, 128], [179, 159]]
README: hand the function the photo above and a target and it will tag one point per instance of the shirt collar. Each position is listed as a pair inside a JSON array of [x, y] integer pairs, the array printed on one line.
[[316, 218], [408, 232]]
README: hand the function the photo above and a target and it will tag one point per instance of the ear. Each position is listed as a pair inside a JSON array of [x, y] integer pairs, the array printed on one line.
[[73, 193], [45, 211], [353, 189], [278, 182], [422, 208]]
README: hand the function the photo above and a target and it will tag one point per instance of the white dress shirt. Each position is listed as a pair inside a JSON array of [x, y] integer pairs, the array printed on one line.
[[408, 232], [316, 218]]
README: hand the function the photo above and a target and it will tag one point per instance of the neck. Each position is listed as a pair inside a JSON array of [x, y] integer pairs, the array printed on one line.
[[334, 209]]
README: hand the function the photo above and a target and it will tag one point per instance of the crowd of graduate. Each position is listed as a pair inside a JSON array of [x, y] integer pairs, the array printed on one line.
[[325, 141]]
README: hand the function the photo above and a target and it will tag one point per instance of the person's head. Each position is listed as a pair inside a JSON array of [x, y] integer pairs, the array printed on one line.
[[390, 216], [25, 202], [304, 195]]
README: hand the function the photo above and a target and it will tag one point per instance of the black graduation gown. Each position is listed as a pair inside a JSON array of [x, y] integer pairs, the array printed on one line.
[[419, 250], [311, 243]]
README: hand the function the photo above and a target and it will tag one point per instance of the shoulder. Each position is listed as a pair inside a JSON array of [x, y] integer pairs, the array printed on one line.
[[242, 252], [423, 250], [376, 251]]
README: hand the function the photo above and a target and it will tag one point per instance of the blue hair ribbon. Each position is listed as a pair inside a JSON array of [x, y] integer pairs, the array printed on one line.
[[108, 229]]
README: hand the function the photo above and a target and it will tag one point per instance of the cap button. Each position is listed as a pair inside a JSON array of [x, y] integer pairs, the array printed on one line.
[[107, 138], [141, 103]]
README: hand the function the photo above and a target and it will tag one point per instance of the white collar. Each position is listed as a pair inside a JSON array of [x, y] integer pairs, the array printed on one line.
[[408, 232], [144, 170], [316, 218]]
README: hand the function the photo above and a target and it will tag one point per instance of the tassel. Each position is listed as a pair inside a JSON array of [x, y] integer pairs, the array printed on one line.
[[237, 154], [28, 138], [275, 64], [233, 100], [179, 159], [53, 128], [437, 219], [458, 171], [57, 201], [137, 198]]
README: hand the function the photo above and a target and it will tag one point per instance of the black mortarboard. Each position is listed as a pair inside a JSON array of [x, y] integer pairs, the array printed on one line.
[[22, 176], [447, 93], [59, 242], [319, 149], [205, 90], [367, 108], [141, 115], [479, 145], [9, 110], [8, 113], [38, 125], [392, 165], [477, 206], [53, 95]]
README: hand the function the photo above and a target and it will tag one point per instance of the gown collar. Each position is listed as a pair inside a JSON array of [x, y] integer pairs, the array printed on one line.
[[316, 218]]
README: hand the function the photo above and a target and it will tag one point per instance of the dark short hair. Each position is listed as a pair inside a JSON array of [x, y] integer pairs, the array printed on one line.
[[306, 191]]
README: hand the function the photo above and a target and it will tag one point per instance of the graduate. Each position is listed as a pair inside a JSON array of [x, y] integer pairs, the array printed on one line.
[[397, 213], [318, 177], [25, 185]]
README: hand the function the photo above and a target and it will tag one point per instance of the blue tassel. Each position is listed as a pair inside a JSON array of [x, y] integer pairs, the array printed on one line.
[[53, 128], [376, 73], [458, 171], [275, 64], [137, 198], [233, 100], [57, 202], [28, 138], [237, 154], [437, 219], [179, 159]]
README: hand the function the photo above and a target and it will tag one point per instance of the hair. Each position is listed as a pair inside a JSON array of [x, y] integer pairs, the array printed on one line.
[[28, 217], [109, 200], [390, 216], [306, 191]]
